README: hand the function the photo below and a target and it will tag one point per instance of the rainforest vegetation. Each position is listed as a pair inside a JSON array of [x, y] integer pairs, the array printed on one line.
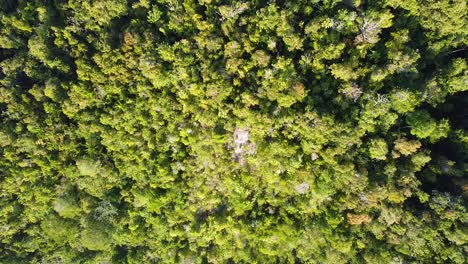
[[218, 131]]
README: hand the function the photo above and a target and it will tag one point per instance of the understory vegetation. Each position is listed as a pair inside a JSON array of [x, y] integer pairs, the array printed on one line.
[[217, 131]]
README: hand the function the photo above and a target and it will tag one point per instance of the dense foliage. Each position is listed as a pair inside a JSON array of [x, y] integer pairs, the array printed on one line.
[[216, 131]]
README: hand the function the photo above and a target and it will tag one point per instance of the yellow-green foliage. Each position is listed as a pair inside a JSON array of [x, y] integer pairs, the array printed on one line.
[[207, 131]]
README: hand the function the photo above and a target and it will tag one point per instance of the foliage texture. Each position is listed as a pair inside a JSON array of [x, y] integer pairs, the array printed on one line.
[[217, 131]]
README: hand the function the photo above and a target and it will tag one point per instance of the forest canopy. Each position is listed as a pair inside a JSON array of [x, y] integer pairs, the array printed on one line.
[[217, 131]]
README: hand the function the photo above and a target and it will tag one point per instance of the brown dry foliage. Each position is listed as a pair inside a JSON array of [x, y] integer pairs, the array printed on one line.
[[357, 219], [406, 147]]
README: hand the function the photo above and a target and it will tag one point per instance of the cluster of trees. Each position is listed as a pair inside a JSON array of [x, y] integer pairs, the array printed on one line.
[[217, 131]]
